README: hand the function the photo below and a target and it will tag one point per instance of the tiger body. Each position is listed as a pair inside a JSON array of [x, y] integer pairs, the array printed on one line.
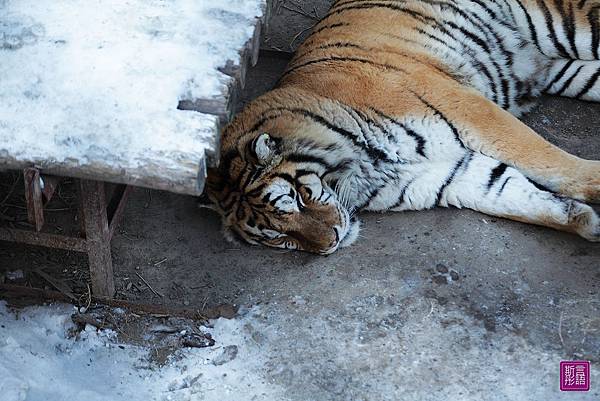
[[408, 105]]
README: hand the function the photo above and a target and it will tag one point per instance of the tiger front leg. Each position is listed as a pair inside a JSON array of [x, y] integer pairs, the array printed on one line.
[[492, 187], [486, 128]]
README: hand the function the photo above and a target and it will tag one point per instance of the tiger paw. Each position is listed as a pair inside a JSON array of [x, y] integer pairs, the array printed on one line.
[[585, 221]]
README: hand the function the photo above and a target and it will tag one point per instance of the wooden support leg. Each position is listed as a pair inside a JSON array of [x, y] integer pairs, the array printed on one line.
[[33, 196], [116, 206], [97, 233]]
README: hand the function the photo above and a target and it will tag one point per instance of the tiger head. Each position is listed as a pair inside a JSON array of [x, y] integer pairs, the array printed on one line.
[[265, 199]]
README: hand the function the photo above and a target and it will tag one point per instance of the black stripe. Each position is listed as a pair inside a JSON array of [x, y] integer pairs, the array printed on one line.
[[338, 45], [539, 186], [248, 180], [372, 195], [550, 25], [558, 76], [589, 85], [305, 158], [568, 82], [495, 175], [332, 26], [581, 4], [594, 20], [510, 10], [274, 200], [451, 177], [503, 185], [343, 59], [420, 141], [443, 117], [492, 13], [480, 67], [531, 26], [256, 191], [569, 26], [400, 200], [309, 39], [439, 40]]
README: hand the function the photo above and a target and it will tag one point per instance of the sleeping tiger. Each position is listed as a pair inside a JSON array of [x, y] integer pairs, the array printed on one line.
[[393, 105]]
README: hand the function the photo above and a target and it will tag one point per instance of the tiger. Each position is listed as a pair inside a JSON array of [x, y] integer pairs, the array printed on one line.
[[397, 105]]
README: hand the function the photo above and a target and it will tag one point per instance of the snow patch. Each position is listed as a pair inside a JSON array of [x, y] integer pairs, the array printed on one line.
[[38, 361], [99, 82]]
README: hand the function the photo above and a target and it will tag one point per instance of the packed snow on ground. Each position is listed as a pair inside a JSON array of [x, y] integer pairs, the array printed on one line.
[[99, 81], [38, 361]]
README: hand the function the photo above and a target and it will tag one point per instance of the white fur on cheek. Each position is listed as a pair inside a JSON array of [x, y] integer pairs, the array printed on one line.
[[352, 234]]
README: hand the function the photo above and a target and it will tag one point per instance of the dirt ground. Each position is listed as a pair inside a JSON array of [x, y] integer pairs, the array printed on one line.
[[443, 304]]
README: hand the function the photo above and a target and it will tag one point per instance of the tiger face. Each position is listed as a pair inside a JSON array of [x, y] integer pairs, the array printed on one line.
[[267, 200]]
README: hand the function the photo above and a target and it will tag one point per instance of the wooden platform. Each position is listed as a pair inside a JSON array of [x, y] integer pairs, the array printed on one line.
[[127, 92], [134, 93]]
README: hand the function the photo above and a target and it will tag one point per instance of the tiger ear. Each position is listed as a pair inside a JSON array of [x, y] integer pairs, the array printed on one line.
[[265, 148]]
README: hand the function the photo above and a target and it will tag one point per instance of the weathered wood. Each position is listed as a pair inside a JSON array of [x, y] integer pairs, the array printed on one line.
[[93, 204], [116, 207], [42, 239], [33, 198], [227, 311], [224, 105], [186, 178], [50, 183], [118, 142]]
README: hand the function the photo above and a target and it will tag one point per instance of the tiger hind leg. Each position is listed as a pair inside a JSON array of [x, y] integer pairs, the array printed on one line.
[[575, 79], [492, 187]]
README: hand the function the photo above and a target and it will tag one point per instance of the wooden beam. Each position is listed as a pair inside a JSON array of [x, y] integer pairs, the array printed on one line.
[[33, 197], [97, 234], [42, 239], [116, 206], [50, 182], [227, 311]]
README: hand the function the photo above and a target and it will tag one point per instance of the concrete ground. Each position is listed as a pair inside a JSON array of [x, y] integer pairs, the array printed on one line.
[[438, 305]]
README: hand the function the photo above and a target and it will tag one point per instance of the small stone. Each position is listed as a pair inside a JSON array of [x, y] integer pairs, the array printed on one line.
[[441, 268], [197, 340], [229, 354], [15, 275], [454, 275]]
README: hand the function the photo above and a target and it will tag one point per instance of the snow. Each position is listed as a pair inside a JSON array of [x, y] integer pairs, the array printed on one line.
[[98, 81], [38, 361]]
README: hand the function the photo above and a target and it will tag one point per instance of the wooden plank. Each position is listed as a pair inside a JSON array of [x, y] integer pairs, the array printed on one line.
[[42, 239], [50, 183], [33, 198], [128, 147], [184, 179], [93, 204], [227, 311]]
